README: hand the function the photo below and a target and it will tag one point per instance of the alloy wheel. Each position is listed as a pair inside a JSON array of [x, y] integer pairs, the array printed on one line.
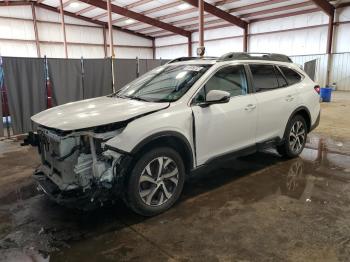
[[158, 181], [297, 137]]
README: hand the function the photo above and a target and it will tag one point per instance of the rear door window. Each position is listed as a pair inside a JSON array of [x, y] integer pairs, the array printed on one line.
[[280, 78], [291, 76], [264, 77]]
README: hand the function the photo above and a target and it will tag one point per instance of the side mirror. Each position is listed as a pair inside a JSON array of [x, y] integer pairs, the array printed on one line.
[[216, 97]]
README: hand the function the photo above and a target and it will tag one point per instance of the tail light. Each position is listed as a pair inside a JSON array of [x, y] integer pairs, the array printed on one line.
[[317, 89]]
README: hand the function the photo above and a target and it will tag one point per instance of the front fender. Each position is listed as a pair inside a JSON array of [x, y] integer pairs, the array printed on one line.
[[174, 120]]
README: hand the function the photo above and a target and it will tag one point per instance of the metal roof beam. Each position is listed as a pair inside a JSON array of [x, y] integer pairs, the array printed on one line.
[[103, 24], [325, 6], [220, 13], [139, 17], [14, 3]]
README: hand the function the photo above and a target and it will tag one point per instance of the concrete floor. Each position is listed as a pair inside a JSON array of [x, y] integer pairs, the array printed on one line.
[[255, 208]]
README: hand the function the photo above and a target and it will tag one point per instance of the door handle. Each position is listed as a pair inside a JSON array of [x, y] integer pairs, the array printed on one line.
[[250, 107], [289, 98]]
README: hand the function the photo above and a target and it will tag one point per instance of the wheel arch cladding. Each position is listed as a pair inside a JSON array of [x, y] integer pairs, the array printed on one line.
[[304, 112], [170, 139]]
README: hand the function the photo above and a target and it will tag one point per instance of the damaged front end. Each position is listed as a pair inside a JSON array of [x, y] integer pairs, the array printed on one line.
[[78, 169]]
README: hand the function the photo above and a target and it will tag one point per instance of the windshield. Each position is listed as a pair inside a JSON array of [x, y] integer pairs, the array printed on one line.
[[163, 84]]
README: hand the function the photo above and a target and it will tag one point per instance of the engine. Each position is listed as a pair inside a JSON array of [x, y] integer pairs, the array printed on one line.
[[78, 159]]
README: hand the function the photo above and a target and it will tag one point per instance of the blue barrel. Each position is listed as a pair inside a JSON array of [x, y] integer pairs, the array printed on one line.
[[326, 94]]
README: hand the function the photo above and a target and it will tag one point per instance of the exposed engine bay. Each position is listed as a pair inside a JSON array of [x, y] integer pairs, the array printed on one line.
[[77, 164]]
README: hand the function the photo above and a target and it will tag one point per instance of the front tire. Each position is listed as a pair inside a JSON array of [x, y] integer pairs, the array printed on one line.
[[156, 181], [294, 138]]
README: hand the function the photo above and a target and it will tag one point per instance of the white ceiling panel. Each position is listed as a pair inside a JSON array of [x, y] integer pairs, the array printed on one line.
[[94, 12], [77, 6], [114, 16], [283, 12], [54, 3]]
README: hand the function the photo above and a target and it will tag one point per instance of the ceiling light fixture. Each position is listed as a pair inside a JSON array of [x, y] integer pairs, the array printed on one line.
[[184, 6], [129, 21], [74, 4]]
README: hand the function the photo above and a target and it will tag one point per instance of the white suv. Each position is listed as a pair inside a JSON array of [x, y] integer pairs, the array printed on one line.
[[142, 141]]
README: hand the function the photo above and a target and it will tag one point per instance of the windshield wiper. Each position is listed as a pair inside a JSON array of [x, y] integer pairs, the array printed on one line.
[[137, 98]]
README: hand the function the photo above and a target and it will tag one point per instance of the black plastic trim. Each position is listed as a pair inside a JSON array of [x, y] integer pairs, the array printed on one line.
[[117, 150], [161, 135], [316, 123], [217, 160], [300, 108], [248, 75]]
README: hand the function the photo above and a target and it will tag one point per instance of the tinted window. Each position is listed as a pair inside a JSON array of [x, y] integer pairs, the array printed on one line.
[[280, 78], [291, 76], [231, 79], [264, 77]]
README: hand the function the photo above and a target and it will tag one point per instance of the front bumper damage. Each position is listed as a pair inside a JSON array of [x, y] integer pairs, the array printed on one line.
[[77, 169]]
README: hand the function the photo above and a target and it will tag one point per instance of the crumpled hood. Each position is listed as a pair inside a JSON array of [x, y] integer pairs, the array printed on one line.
[[94, 112]]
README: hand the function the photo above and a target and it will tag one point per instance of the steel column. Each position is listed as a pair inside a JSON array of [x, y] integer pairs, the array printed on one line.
[[110, 28], [201, 24], [104, 41], [111, 46], [63, 29], [37, 43], [189, 45], [330, 34], [329, 47], [153, 48], [245, 39]]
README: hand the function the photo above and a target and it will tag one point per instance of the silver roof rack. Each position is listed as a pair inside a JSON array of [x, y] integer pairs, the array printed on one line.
[[189, 58], [255, 56]]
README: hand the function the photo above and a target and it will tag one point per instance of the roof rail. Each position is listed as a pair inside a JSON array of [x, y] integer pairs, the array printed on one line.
[[188, 58], [255, 56]]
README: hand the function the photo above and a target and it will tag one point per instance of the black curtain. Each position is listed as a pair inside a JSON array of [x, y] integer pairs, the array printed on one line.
[[124, 72], [152, 63], [97, 79], [66, 79], [142, 66], [1, 120], [25, 82]]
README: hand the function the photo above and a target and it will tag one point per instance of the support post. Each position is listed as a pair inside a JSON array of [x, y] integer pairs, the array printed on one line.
[[110, 29], [330, 34], [245, 39], [329, 47], [63, 29], [36, 30], [201, 27], [104, 41], [111, 46], [189, 45], [154, 48]]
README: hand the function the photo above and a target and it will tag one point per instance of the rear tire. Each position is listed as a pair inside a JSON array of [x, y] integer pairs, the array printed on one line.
[[294, 138], [156, 181]]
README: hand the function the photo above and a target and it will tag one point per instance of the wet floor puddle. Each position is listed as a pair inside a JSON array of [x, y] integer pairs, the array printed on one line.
[[258, 205]]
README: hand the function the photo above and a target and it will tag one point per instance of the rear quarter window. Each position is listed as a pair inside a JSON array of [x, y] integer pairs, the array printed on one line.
[[292, 76]]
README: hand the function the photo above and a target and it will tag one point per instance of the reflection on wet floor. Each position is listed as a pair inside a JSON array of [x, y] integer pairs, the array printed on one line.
[[254, 208]]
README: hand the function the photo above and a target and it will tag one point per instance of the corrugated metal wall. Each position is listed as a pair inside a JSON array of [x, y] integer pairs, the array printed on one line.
[[340, 73], [86, 38], [340, 69], [302, 45], [321, 72]]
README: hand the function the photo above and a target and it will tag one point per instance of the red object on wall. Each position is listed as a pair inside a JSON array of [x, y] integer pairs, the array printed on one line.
[[5, 105]]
